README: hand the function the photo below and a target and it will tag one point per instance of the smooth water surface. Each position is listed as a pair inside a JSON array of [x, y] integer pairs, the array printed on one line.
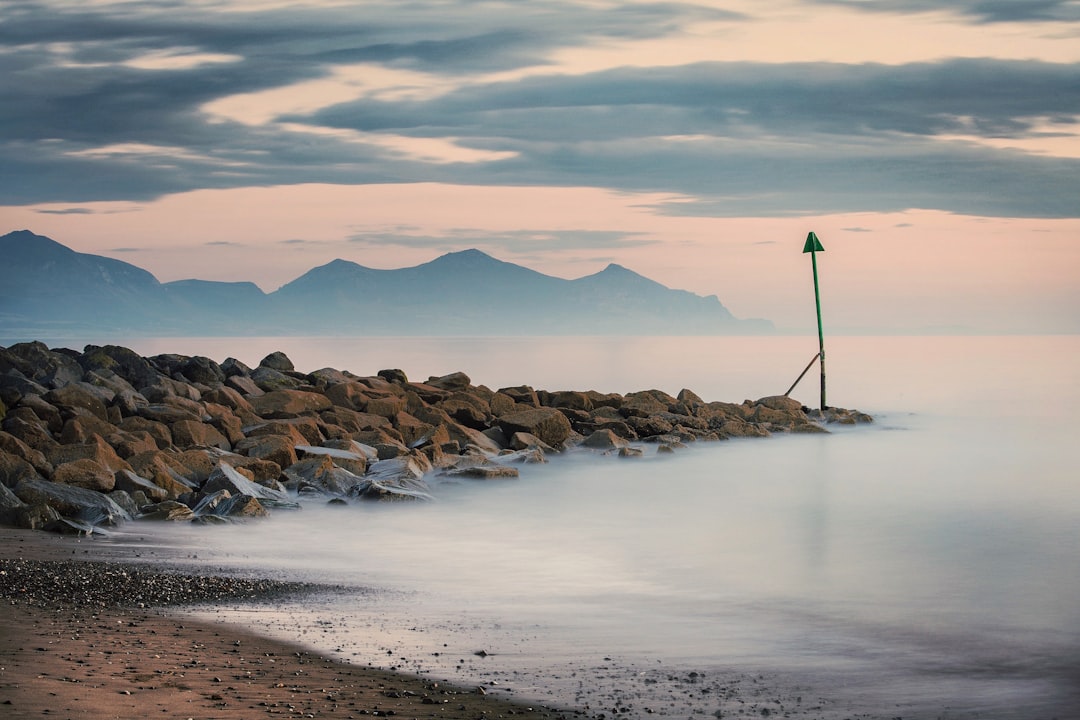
[[925, 566]]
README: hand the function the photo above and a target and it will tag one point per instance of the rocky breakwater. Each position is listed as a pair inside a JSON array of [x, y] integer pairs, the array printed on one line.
[[94, 438]]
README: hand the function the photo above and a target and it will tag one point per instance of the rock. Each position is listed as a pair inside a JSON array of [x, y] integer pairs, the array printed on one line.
[[279, 361], [95, 449], [781, 403], [631, 452], [604, 440], [228, 397], [85, 474], [31, 432], [72, 502], [326, 377], [355, 461], [131, 483], [203, 371], [130, 366], [225, 477], [289, 404], [244, 506], [305, 430], [167, 510], [484, 472], [570, 400], [82, 428], [394, 376], [522, 394], [13, 445], [320, 473], [232, 367], [45, 412], [164, 388], [276, 448], [527, 441], [268, 379], [157, 430], [167, 414], [548, 424], [14, 468], [645, 404], [244, 385], [453, 382], [77, 396], [37, 362], [188, 433]]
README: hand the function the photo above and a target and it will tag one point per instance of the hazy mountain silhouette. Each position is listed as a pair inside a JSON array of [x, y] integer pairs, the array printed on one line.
[[48, 289]]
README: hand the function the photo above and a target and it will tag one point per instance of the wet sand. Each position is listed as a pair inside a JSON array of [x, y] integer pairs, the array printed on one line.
[[101, 660]]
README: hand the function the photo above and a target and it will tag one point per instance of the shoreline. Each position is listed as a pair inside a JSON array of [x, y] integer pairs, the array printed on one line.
[[107, 659]]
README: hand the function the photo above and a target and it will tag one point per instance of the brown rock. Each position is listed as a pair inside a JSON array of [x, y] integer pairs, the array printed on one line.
[[604, 439], [522, 394], [244, 385], [169, 510], [229, 397], [189, 433], [77, 396], [95, 449], [44, 411], [81, 428], [85, 474], [387, 407], [279, 361], [131, 483], [548, 424], [127, 444], [279, 449], [13, 445], [304, 430], [501, 404], [33, 433], [289, 404], [13, 469], [352, 395], [571, 400], [157, 430]]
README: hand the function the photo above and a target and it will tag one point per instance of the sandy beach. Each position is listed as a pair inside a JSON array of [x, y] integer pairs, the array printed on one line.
[[105, 659]]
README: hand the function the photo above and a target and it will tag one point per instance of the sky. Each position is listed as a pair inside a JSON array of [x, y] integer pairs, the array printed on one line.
[[934, 147]]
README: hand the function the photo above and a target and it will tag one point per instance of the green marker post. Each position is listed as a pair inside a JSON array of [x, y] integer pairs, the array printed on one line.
[[813, 246]]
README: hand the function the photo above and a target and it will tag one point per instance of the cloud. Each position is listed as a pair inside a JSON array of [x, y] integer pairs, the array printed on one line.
[[515, 241], [66, 211], [103, 105], [987, 11]]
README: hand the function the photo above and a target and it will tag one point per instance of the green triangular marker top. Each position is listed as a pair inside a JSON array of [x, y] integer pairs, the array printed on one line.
[[812, 244]]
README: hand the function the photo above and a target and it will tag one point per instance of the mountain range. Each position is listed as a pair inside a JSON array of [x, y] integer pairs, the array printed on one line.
[[50, 290]]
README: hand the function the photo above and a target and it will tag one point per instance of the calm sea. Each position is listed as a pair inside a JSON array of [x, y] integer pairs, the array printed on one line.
[[926, 566]]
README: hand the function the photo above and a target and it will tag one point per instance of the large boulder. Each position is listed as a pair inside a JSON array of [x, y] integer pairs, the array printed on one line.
[[72, 502], [85, 474], [75, 397], [289, 404], [37, 362], [131, 483], [189, 433], [225, 477], [279, 361], [276, 448], [548, 424], [95, 449], [126, 363]]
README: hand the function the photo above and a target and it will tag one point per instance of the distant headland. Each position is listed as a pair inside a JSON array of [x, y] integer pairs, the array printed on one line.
[[50, 290]]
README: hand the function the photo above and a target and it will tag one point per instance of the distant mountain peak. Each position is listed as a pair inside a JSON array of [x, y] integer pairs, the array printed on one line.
[[467, 292]]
